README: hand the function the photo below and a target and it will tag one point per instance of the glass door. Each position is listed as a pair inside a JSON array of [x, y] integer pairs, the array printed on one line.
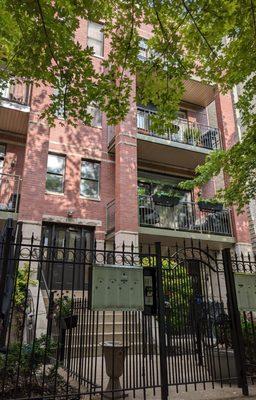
[[68, 265]]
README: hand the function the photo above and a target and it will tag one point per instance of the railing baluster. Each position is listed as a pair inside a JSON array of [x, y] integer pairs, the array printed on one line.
[[183, 131], [184, 216]]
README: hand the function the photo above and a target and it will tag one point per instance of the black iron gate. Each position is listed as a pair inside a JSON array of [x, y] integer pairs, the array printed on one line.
[[54, 346]]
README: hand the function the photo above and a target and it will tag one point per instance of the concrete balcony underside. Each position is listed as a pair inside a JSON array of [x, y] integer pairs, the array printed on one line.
[[13, 120], [198, 92], [161, 151], [15, 100], [171, 237]]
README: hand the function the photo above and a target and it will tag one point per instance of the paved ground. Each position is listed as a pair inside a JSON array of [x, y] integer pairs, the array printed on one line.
[[218, 393]]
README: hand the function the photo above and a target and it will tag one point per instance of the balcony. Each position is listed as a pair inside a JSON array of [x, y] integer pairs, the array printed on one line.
[[14, 107], [185, 145], [183, 131], [178, 219], [182, 221], [9, 195], [111, 217]]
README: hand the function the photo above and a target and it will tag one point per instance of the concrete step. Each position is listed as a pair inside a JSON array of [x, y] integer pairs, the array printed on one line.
[[96, 350], [100, 317]]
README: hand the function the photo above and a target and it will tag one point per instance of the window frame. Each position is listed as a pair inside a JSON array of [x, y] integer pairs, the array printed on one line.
[[90, 179], [90, 108], [146, 49], [102, 42], [56, 174]]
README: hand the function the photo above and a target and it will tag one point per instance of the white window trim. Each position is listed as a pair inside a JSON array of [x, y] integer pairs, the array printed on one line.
[[63, 175], [88, 179], [96, 40]]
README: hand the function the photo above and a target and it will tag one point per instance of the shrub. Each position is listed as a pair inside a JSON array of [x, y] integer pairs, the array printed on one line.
[[178, 291], [27, 358]]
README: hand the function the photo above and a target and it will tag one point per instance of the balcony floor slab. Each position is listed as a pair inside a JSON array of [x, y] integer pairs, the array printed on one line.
[[154, 149], [168, 237]]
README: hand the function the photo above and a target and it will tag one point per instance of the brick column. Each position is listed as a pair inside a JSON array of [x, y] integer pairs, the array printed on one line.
[[34, 171], [126, 199], [227, 125]]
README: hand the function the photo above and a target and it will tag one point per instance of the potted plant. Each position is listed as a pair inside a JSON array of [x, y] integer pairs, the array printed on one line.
[[64, 311], [209, 205], [192, 135], [169, 197]]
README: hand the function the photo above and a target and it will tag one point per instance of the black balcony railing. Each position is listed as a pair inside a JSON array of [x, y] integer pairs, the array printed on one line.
[[111, 216], [18, 92], [185, 216], [9, 192], [183, 131]]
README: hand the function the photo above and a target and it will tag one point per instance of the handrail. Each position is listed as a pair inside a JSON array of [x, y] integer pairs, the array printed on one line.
[[184, 216], [183, 131], [9, 192], [17, 92]]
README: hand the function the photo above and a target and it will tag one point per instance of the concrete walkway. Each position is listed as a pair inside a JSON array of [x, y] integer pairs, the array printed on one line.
[[218, 393]]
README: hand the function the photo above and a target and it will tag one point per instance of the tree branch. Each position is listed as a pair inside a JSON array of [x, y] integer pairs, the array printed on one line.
[[197, 27], [165, 34], [46, 33], [253, 17]]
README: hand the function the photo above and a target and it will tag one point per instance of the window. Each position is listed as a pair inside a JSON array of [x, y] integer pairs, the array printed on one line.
[[182, 114], [95, 38], [90, 184], [144, 116], [150, 184], [143, 50], [55, 173], [2, 156], [95, 112], [59, 113], [5, 87]]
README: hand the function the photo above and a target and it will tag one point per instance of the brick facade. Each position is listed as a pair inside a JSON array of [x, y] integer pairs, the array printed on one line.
[[118, 169]]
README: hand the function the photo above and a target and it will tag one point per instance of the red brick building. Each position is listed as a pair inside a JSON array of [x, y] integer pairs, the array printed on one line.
[[115, 183]]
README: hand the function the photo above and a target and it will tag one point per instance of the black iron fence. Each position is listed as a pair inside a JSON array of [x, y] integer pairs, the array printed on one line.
[[53, 345]]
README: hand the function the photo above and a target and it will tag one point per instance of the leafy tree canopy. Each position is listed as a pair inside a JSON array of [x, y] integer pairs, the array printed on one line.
[[212, 39]]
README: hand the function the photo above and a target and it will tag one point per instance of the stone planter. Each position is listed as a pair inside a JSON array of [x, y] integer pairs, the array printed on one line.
[[115, 353], [221, 364]]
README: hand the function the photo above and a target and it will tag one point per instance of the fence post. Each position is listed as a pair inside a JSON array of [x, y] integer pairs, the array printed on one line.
[[161, 323], [236, 330], [3, 280]]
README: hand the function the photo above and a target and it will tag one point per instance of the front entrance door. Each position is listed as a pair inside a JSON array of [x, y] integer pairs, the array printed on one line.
[[69, 271]]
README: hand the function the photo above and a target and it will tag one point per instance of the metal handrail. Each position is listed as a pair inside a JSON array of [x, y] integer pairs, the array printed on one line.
[[9, 186], [183, 131], [110, 216], [17, 92], [184, 216]]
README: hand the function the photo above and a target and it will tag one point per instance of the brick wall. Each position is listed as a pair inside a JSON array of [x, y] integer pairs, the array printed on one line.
[[227, 125]]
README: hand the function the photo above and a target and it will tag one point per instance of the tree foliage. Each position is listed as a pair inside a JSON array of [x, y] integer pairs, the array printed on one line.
[[214, 40]]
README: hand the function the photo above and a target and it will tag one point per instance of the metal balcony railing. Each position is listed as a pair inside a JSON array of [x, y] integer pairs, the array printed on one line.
[[111, 216], [19, 93], [185, 216], [9, 192], [110, 133], [183, 131]]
